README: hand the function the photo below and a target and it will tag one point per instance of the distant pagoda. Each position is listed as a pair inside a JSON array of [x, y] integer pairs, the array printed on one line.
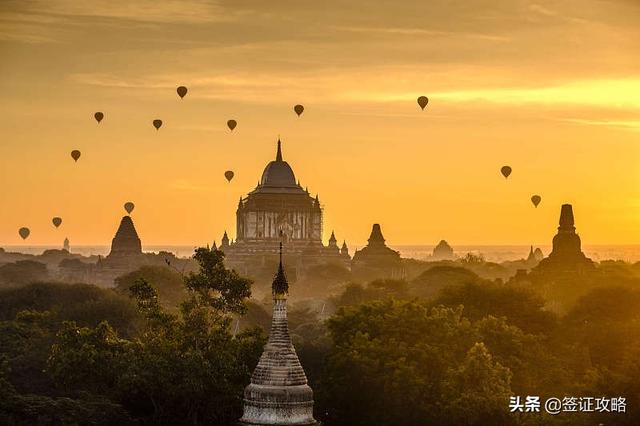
[[278, 394], [376, 259], [566, 253], [126, 241], [443, 251]]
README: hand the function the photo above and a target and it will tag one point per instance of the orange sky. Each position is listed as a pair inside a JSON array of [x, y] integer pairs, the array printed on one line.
[[553, 91]]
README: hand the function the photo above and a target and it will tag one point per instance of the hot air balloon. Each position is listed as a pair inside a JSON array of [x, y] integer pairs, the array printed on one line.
[[299, 109], [157, 123], [56, 221], [182, 91], [229, 175], [75, 154], [506, 171], [129, 206], [232, 124], [24, 233], [423, 101], [536, 200], [98, 116]]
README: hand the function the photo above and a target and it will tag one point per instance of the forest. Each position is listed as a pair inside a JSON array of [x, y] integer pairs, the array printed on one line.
[[447, 347]]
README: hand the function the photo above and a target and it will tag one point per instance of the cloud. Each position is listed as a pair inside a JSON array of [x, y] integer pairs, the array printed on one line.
[[165, 11], [49, 21], [620, 93], [620, 124], [399, 31]]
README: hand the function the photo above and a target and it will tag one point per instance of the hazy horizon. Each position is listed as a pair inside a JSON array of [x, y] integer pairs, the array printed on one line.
[[491, 253]]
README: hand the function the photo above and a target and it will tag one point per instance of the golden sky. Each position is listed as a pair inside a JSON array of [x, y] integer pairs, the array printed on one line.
[[550, 88]]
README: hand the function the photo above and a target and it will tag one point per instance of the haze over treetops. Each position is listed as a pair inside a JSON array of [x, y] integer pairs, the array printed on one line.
[[551, 90]]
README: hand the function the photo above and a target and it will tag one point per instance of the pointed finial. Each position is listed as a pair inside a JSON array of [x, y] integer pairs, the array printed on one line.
[[280, 286], [279, 153]]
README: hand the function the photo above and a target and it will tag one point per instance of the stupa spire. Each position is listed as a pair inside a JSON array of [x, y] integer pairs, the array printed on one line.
[[278, 393], [376, 235], [279, 152], [280, 285]]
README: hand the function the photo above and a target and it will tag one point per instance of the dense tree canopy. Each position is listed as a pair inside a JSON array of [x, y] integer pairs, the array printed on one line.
[[447, 348], [168, 282]]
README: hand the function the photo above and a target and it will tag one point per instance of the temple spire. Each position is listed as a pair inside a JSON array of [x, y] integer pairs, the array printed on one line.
[[280, 286], [566, 218], [376, 237], [279, 152], [333, 242]]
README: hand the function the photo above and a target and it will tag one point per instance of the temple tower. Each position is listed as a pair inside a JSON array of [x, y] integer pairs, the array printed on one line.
[[566, 253], [443, 251], [224, 245], [126, 241], [344, 250], [278, 393], [376, 260], [333, 243]]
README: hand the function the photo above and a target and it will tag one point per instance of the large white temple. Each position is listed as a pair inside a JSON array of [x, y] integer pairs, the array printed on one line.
[[279, 209]]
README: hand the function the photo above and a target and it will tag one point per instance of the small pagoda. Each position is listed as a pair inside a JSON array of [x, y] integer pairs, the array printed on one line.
[[278, 394], [566, 254]]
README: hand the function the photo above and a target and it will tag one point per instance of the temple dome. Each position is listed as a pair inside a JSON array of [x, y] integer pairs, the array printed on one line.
[[278, 173]]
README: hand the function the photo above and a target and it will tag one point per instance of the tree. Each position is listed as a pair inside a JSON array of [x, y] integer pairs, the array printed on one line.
[[389, 362], [215, 286], [168, 282], [476, 392], [83, 303], [429, 282], [354, 293], [23, 272], [521, 306], [183, 367]]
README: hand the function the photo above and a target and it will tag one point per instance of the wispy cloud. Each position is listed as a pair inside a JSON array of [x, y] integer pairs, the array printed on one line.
[[47, 21], [180, 11], [621, 93], [400, 31], [621, 124]]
